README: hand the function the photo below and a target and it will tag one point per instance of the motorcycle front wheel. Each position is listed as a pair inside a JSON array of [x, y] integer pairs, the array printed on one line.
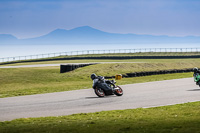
[[118, 91], [99, 92]]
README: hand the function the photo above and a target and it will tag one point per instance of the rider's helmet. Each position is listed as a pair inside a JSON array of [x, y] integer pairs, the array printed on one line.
[[195, 69], [93, 76]]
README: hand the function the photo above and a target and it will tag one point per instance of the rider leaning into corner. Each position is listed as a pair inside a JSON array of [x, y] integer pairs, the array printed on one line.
[[196, 72], [96, 78]]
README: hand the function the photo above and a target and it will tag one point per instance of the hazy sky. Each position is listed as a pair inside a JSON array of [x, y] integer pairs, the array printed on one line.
[[31, 18]]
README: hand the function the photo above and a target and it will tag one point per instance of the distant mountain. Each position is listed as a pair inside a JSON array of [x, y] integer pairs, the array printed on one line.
[[88, 35]]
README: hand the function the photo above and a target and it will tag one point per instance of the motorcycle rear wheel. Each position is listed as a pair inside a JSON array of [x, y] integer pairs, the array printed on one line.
[[99, 92], [119, 91]]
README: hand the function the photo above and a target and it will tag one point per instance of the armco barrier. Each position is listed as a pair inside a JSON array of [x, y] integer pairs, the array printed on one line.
[[70, 67], [148, 73]]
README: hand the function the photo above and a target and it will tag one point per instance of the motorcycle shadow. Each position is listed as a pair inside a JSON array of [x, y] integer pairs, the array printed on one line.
[[194, 90], [91, 97], [98, 97]]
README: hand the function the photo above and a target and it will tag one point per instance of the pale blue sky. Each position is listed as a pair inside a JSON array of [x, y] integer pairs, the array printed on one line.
[[32, 18]]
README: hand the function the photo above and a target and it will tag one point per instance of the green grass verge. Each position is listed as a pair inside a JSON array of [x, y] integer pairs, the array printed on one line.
[[181, 118], [28, 81]]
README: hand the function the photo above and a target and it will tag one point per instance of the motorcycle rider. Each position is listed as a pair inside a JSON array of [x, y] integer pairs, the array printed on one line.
[[196, 73], [96, 80], [196, 70]]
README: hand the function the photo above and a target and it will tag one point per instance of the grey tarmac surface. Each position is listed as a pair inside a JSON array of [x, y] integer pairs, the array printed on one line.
[[138, 95]]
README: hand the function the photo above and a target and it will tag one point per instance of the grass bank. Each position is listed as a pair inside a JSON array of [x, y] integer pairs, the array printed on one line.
[[36, 61], [182, 118], [28, 81]]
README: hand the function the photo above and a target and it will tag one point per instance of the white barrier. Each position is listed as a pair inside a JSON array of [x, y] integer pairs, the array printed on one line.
[[85, 52]]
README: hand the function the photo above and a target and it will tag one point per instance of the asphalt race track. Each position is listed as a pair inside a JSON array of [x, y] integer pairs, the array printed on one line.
[[139, 95]]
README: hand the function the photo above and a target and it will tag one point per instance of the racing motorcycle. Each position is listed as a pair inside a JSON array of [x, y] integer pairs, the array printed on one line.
[[197, 79], [107, 87]]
